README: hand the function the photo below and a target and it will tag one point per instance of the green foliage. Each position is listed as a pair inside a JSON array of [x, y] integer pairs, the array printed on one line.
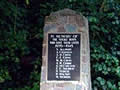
[[21, 33], [27, 2], [17, 71], [104, 19]]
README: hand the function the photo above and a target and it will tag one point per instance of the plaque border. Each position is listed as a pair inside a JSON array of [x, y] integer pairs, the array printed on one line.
[[60, 81]]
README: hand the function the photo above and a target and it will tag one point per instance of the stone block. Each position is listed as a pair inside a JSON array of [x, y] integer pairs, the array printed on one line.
[[66, 52]]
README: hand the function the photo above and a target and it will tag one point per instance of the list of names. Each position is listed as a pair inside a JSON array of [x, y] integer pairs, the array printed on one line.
[[63, 56]]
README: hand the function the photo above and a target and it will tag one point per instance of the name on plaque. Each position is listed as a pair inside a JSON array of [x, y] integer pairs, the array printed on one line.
[[64, 56]]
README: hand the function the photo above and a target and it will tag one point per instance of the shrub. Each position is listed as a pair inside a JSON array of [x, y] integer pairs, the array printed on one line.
[[21, 41]]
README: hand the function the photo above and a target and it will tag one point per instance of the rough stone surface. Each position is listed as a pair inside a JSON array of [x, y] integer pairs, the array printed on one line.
[[67, 21], [70, 28]]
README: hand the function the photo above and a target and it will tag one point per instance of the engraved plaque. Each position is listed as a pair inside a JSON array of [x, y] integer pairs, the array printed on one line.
[[64, 56]]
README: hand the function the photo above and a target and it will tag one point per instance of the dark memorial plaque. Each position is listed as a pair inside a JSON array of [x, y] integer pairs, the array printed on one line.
[[64, 56]]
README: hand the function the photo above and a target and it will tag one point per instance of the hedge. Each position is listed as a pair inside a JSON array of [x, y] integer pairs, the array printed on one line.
[[21, 35]]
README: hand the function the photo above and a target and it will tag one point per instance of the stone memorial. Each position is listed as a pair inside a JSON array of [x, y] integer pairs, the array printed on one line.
[[66, 52]]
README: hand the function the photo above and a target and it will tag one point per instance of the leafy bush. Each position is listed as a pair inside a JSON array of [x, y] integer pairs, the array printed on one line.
[[104, 20], [21, 32], [20, 48]]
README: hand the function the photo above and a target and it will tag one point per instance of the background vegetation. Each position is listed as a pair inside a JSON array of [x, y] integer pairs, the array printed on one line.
[[21, 34]]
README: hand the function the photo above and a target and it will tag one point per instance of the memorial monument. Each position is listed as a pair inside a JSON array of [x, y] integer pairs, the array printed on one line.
[[66, 52]]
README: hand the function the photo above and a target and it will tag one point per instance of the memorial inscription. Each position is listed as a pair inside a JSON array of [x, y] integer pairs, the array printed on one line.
[[66, 52], [64, 56]]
